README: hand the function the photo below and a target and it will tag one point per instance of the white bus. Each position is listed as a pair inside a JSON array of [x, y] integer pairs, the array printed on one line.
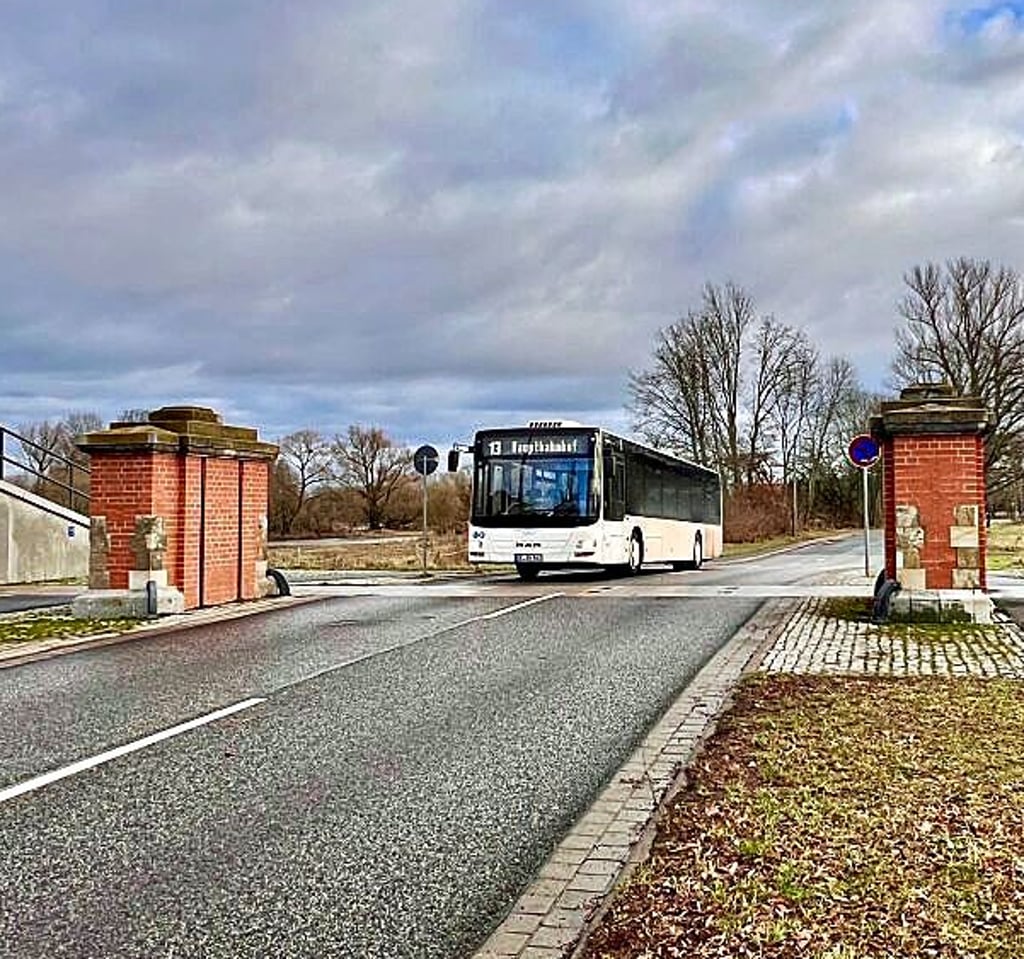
[[557, 495]]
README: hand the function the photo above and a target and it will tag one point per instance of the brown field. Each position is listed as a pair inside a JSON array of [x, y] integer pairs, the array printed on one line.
[[1006, 546], [398, 553], [403, 552]]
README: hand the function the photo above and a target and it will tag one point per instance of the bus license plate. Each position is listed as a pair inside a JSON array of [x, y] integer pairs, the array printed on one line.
[[529, 558]]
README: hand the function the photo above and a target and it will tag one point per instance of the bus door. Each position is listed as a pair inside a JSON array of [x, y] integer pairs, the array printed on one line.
[[616, 543]]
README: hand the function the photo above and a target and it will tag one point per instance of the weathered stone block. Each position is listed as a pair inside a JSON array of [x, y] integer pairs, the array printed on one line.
[[968, 558], [965, 537], [910, 537], [907, 516], [911, 557], [149, 542], [966, 515], [99, 553], [125, 603], [966, 579], [941, 606], [910, 578], [138, 578]]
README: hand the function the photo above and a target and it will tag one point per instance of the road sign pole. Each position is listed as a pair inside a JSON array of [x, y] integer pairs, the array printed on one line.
[[864, 452], [425, 461], [794, 506], [424, 523], [867, 548]]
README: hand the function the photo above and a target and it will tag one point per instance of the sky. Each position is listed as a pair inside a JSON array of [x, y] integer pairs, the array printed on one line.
[[437, 217]]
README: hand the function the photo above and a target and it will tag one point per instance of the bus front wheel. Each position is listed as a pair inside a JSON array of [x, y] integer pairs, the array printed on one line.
[[528, 572]]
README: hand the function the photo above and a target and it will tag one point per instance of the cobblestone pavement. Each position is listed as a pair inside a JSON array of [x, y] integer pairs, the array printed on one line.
[[814, 642], [785, 636]]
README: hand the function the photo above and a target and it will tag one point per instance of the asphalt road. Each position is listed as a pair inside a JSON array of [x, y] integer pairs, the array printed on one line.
[[397, 768]]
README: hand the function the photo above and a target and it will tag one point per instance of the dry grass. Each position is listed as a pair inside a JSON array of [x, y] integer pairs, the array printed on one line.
[[1006, 546], [444, 552], [737, 550], [840, 817]]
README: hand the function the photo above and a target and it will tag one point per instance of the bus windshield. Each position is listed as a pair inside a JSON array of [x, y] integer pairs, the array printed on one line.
[[539, 486], [540, 479]]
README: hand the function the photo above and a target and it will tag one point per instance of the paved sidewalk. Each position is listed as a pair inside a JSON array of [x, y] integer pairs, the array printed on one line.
[[785, 636]]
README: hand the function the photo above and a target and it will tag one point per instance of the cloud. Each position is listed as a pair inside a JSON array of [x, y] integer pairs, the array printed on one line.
[[437, 217]]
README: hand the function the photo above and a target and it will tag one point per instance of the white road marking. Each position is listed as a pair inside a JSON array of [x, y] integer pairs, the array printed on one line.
[[440, 631], [517, 606], [82, 765]]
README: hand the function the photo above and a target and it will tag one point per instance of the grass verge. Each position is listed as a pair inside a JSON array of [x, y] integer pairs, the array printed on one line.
[[401, 554], [741, 550], [55, 622], [447, 552], [1006, 547], [840, 818]]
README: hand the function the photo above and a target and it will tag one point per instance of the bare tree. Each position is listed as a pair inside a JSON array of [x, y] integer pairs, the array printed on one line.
[[835, 403], [774, 351], [691, 397], [671, 401], [840, 409], [965, 325], [799, 386], [283, 493], [369, 461], [729, 313], [133, 414], [75, 424], [307, 455], [45, 441], [749, 395]]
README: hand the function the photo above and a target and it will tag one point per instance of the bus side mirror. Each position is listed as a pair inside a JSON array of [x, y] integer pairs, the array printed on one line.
[[453, 460]]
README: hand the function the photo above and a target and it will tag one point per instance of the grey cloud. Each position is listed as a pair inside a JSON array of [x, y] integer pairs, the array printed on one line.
[[432, 216]]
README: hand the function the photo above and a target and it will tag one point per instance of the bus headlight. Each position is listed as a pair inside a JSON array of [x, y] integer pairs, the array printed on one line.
[[585, 546]]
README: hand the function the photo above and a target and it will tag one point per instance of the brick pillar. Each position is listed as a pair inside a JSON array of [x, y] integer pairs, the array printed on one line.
[[888, 509], [181, 500], [933, 446]]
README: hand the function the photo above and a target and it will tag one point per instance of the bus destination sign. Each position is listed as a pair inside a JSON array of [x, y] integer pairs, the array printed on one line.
[[531, 445]]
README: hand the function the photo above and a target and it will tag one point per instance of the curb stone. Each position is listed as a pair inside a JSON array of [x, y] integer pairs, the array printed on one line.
[[571, 891]]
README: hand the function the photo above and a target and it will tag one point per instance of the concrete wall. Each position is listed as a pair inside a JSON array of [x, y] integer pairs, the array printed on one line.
[[40, 540]]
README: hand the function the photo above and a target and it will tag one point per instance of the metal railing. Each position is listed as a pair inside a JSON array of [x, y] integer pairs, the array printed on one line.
[[74, 497]]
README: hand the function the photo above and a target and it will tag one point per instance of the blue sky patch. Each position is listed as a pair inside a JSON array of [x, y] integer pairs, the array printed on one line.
[[973, 20]]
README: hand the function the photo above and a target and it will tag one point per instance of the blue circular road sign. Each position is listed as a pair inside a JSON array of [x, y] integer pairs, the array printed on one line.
[[864, 451], [424, 460]]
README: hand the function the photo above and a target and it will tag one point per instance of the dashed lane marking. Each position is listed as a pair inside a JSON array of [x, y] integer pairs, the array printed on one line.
[[38, 782]]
